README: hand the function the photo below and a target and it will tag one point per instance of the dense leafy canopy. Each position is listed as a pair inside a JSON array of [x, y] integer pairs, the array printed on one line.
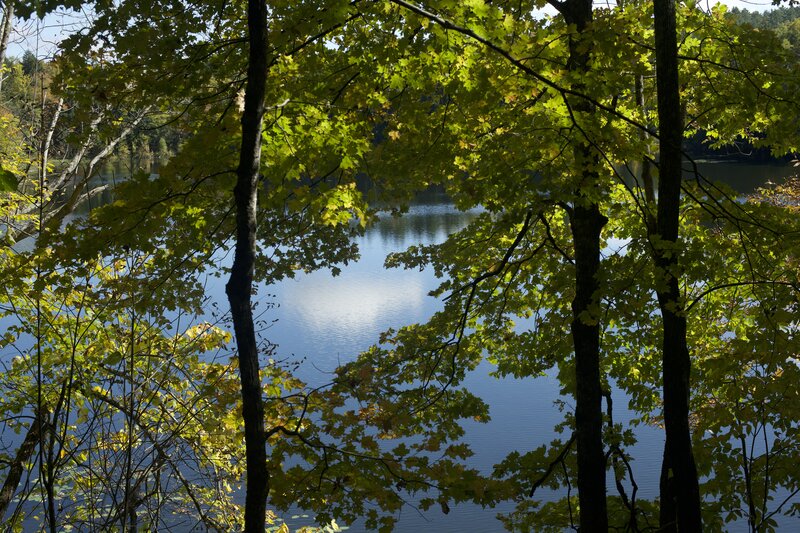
[[120, 376]]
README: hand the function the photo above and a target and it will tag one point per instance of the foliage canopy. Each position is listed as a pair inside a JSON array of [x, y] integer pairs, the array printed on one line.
[[121, 379]]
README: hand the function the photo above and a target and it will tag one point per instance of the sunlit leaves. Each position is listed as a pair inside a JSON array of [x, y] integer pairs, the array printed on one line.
[[389, 94], [114, 382]]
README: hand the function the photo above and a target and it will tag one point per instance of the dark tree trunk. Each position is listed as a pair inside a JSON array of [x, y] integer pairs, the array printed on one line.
[[586, 223], [647, 168], [240, 285], [39, 429], [680, 493]]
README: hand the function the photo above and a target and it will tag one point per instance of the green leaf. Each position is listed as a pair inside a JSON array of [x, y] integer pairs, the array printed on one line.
[[8, 181]]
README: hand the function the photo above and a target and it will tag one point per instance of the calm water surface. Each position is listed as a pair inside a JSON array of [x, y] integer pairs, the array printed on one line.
[[328, 320]]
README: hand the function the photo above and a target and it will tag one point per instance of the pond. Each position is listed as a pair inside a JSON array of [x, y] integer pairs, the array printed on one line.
[[328, 320], [325, 321]]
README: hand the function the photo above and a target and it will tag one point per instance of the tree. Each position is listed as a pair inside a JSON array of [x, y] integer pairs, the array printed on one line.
[[122, 412], [465, 257], [680, 493], [5, 34], [240, 285], [531, 119], [71, 128], [586, 223], [308, 204]]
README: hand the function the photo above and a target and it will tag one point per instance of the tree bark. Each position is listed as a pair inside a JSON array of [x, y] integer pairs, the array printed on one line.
[[53, 218], [240, 285], [24, 453], [5, 34], [680, 493], [586, 224], [647, 167]]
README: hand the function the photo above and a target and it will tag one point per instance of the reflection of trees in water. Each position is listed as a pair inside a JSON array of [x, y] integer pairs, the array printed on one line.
[[425, 226], [114, 171], [432, 196], [743, 178], [431, 217]]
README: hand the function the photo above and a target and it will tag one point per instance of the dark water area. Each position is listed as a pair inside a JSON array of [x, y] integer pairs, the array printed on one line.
[[112, 172], [742, 178]]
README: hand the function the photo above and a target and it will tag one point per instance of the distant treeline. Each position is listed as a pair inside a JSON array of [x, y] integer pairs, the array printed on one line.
[[768, 20], [24, 111]]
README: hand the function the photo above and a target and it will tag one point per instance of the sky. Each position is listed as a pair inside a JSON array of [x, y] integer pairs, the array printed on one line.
[[750, 5], [55, 27]]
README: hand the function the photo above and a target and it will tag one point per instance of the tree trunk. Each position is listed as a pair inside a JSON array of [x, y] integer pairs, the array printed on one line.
[[647, 167], [586, 223], [38, 429], [680, 492], [240, 285], [5, 34]]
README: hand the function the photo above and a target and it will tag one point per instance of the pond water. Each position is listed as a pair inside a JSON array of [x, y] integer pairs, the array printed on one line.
[[325, 321], [328, 320]]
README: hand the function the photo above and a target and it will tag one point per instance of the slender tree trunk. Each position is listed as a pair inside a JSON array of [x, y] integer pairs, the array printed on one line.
[[647, 167], [48, 134], [586, 223], [680, 493], [24, 454], [5, 34], [240, 285]]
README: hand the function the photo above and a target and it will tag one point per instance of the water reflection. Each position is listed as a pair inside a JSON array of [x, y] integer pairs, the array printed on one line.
[[328, 320], [742, 177], [112, 172], [345, 312], [331, 319], [422, 224]]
